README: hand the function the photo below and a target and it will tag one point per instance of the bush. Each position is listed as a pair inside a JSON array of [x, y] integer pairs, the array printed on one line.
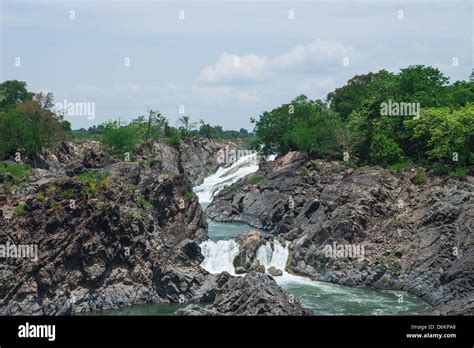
[[420, 177], [460, 172], [119, 139], [440, 169], [384, 150]]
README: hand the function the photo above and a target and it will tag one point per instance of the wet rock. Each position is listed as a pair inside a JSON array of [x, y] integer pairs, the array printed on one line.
[[394, 234], [275, 272], [253, 294]]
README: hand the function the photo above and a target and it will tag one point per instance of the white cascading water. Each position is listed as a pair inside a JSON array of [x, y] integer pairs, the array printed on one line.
[[275, 257], [225, 177], [219, 256]]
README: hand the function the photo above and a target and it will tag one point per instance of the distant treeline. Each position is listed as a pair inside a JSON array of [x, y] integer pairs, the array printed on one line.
[[29, 122]]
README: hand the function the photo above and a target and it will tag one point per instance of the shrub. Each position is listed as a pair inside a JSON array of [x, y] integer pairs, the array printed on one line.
[[143, 203], [256, 179], [188, 195], [460, 172], [440, 169], [103, 206], [420, 177], [19, 209], [385, 150], [119, 139]]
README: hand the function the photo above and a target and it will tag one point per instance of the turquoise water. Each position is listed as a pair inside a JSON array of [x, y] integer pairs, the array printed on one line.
[[331, 299], [225, 230], [147, 309]]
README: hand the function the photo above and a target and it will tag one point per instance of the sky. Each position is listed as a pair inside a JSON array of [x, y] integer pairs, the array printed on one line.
[[220, 61]]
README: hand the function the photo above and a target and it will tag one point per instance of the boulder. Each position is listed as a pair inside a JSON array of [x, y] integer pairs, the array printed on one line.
[[275, 272]]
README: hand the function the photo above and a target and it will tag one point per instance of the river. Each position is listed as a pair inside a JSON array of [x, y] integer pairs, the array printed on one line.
[[321, 297]]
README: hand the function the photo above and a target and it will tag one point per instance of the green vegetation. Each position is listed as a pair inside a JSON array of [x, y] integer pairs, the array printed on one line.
[[383, 118], [68, 194], [257, 179], [19, 209], [420, 177], [188, 195], [90, 183], [304, 171], [40, 198], [19, 172], [27, 121], [143, 203], [103, 206]]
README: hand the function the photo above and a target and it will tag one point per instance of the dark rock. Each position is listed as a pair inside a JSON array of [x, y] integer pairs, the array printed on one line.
[[254, 294], [415, 238]]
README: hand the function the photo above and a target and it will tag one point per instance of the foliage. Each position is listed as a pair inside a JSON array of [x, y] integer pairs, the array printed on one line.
[[20, 172], [256, 179], [438, 130], [420, 177], [26, 121]]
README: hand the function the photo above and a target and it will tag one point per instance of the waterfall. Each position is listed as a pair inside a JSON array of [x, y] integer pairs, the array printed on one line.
[[227, 176], [275, 257], [219, 256]]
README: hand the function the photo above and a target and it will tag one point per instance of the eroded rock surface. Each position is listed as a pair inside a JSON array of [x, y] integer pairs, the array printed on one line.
[[253, 294], [397, 235]]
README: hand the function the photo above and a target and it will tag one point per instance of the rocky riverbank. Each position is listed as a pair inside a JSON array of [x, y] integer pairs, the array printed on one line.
[[254, 294], [106, 233], [364, 226]]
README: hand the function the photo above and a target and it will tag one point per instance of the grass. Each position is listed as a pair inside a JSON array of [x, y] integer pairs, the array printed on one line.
[[143, 203], [460, 173], [103, 206], [90, 181], [257, 179], [188, 195], [400, 166], [93, 176], [19, 209], [51, 189], [304, 171], [68, 194], [39, 197], [19, 172]]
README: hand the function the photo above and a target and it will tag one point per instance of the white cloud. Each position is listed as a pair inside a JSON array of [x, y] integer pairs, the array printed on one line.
[[311, 86], [319, 55], [221, 93], [231, 68]]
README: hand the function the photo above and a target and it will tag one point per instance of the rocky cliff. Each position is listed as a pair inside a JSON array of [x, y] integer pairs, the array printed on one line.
[[365, 226], [91, 232]]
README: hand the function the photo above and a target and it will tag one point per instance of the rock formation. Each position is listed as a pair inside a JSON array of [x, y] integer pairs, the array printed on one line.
[[365, 226]]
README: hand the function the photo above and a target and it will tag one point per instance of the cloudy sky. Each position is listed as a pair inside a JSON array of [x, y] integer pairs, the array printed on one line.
[[223, 62]]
